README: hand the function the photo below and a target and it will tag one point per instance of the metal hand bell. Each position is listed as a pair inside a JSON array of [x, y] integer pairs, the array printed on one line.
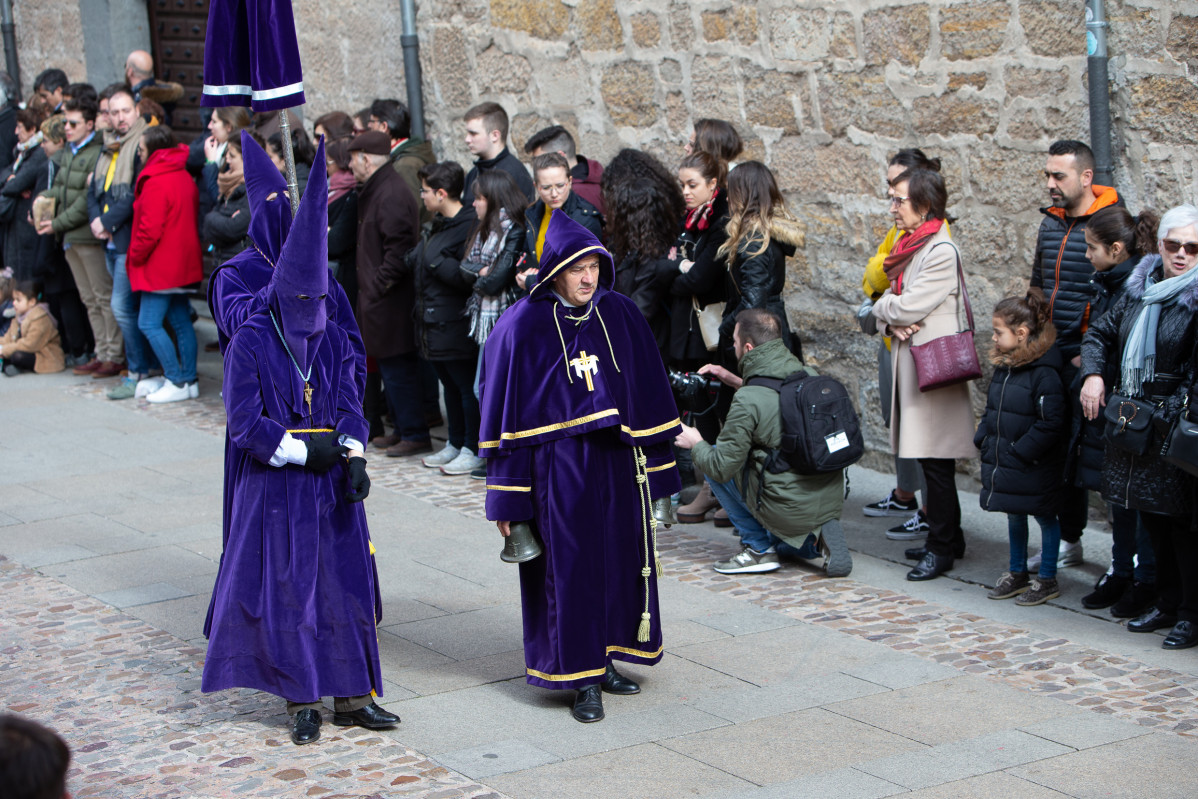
[[520, 545]]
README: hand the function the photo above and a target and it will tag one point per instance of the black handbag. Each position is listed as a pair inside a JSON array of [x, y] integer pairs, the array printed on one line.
[[1128, 424], [1181, 445]]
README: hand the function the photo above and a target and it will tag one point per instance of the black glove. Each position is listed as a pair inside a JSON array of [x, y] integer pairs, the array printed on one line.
[[358, 480], [324, 452]]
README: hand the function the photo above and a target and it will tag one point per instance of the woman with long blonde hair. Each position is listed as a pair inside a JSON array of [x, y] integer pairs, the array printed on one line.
[[762, 233]]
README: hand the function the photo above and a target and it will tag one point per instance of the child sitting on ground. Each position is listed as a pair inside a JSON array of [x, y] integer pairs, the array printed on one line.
[[1022, 439], [32, 343]]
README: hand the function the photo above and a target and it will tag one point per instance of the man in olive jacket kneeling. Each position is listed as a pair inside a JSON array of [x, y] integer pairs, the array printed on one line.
[[795, 514]]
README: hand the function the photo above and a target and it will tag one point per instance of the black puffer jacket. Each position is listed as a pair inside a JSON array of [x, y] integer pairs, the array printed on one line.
[[1061, 269], [646, 281], [1086, 447], [756, 281], [705, 282], [442, 289], [1146, 482], [1021, 433]]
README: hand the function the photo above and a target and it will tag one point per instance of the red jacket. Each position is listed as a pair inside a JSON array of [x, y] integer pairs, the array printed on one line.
[[164, 251]]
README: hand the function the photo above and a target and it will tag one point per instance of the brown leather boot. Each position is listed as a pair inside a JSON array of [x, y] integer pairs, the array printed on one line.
[[696, 511]]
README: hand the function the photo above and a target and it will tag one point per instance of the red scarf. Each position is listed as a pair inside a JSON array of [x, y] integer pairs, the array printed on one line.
[[340, 185], [699, 218], [904, 250]]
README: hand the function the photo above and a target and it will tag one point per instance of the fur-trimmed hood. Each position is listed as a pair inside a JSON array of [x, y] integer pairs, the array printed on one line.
[[1031, 351], [787, 231], [162, 92], [1137, 284]]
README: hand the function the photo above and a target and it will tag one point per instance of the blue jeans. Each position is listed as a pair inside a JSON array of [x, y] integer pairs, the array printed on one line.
[[1050, 541], [1129, 539], [752, 533], [175, 310], [403, 384], [126, 304]]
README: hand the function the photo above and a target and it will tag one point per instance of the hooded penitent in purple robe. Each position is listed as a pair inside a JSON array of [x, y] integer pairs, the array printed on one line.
[[251, 55], [577, 420], [236, 288], [295, 604]]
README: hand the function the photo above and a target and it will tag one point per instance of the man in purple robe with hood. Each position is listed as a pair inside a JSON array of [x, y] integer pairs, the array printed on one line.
[[296, 599], [577, 420]]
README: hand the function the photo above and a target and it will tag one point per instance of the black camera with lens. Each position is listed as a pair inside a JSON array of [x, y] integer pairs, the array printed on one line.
[[694, 392]]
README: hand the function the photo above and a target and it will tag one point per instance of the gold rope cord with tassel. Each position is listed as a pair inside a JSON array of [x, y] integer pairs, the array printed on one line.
[[649, 530]]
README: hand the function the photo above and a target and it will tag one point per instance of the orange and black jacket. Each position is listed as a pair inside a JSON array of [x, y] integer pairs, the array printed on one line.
[[1060, 268]]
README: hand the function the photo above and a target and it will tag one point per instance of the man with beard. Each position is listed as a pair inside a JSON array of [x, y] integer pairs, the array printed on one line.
[[296, 599], [577, 420], [1060, 268], [110, 208]]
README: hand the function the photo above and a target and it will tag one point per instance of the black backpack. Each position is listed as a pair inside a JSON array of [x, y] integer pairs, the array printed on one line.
[[820, 430]]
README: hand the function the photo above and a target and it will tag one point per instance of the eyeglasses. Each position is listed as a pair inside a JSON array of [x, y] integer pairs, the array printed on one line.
[[895, 202], [554, 188], [1171, 246], [74, 123]]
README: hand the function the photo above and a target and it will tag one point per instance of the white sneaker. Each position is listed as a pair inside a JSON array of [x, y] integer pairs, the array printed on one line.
[[147, 386], [464, 463], [169, 393], [193, 389], [447, 454]]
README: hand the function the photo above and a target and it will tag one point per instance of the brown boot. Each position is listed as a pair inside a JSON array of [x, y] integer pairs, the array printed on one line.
[[696, 511], [720, 518]]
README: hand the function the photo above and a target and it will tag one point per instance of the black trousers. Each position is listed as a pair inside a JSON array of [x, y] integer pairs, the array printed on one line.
[[25, 361], [461, 406], [1175, 545], [1073, 510], [945, 535]]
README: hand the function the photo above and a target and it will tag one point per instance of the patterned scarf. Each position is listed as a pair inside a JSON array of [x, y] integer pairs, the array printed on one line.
[[483, 310], [699, 218], [24, 148], [904, 251]]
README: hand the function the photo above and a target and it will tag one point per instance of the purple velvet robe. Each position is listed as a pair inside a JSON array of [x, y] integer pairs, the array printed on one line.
[[251, 55], [295, 604], [564, 454]]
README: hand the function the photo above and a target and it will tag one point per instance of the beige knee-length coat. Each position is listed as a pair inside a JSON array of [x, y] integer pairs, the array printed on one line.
[[940, 423]]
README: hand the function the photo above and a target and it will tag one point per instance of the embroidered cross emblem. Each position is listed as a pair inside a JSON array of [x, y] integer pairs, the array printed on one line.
[[585, 366]]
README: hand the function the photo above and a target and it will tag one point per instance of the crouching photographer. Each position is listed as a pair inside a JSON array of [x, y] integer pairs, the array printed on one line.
[[782, 485]]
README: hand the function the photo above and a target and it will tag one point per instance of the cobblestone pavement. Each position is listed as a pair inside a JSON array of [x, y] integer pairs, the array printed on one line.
[[129, 694]]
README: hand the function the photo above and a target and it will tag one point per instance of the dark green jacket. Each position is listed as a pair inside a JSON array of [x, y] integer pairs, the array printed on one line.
[[792, 504], [71, 223]]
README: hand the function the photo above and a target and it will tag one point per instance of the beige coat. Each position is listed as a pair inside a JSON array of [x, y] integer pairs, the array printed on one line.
[[940, 423], [38, 334]]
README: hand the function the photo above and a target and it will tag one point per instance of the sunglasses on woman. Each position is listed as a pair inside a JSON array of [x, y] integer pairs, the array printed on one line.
[[1171, 246]]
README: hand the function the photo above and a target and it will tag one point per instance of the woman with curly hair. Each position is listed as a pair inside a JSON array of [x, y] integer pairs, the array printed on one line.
[[644, 208]]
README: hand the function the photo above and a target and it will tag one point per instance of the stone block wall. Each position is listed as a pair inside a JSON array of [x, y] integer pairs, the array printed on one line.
[[823, 92]]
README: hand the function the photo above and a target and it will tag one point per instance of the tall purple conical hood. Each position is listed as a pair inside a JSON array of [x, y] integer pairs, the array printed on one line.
[[269, 219], [565, 242], [298, 289]]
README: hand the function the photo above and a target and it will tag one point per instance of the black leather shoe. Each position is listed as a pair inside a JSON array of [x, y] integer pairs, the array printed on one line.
[[588, 705], [917, 553], [616, 683], [931, 567], [372, 717], [305, 727], [1152, 621], [1183, 636]]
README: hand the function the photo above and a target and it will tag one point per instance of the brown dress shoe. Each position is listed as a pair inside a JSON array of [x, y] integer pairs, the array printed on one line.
[[108, 369], [405, 448], [89, 367], [696, 511], [385, 442]]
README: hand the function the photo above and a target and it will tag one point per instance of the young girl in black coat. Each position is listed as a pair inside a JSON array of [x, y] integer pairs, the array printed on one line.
[[1022, 440]]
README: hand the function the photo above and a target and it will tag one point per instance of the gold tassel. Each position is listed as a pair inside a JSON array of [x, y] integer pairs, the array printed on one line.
[[657, 561], [642, 632]]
